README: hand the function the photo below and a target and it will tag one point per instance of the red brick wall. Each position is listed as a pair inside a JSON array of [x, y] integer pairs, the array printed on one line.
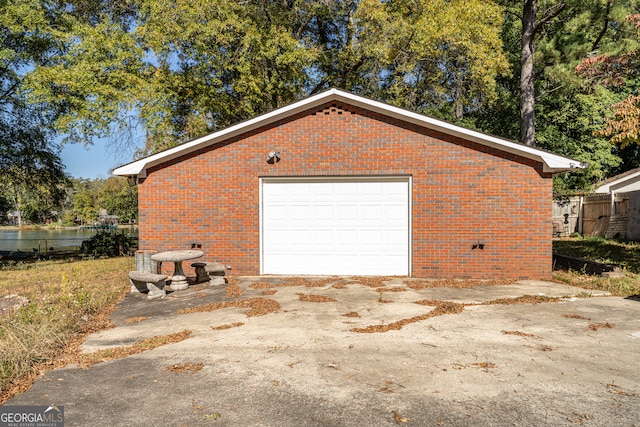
[[462, 193]]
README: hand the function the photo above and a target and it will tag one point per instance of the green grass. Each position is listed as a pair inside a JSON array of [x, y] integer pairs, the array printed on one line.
[[67, 299], [623, 254]]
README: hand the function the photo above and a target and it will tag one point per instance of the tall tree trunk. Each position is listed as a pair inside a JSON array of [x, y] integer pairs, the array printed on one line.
[[527, 76]]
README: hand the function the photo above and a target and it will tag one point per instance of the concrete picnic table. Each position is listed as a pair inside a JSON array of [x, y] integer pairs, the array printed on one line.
[[178, 280]]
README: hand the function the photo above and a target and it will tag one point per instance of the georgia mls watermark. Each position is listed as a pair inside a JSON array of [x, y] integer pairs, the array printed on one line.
[[31, 416]]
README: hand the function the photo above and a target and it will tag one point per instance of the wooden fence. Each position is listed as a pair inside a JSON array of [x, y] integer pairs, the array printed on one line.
[[596, 214]]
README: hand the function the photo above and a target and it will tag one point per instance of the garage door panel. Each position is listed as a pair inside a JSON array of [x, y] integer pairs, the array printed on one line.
[[323, 239], [346, 213], [395, 213], [345, 227], [345, 189], [371, 214], [396, 238], [299, 238], [346, 239], [299, 213], [277, 238], [324, 213], [371, 237]]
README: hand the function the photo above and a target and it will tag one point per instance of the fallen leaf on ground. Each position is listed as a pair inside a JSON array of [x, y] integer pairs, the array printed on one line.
[[135, 319], [256, 306], [399, 418], [184, 367], [596, 326], [233, 291], [227, 326], [315, 298], [520, 334]]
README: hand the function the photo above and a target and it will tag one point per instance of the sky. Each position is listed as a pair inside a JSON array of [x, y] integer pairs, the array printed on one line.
[[95, 161]]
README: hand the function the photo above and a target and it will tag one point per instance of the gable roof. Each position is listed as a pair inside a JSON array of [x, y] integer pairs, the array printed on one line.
[[551, 162], [630, 179]]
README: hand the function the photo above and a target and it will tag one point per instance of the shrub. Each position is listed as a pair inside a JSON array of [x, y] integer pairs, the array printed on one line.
[[108, 243]]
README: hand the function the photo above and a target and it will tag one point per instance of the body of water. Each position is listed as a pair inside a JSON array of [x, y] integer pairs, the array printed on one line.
[[43, 240]]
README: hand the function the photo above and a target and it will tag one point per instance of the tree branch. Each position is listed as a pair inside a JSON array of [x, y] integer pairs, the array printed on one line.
[[551, 13], [595, 44]]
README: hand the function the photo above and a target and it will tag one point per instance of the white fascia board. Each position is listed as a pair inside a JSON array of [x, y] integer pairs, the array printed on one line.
[[552, 162]]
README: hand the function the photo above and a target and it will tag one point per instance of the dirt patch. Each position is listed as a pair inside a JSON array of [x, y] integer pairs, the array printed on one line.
[[315, 298], [256, 306]]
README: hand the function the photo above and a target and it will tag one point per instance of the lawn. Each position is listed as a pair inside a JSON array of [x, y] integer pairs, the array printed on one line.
[[624, 254], [67, 299]]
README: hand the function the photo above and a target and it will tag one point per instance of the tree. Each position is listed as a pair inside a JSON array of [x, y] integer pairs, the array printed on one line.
[[118, 198], [183, 68], [566, 110], [30, 167], [618, 71]]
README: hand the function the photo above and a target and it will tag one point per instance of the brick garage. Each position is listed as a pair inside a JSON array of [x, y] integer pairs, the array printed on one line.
[[477, 206]]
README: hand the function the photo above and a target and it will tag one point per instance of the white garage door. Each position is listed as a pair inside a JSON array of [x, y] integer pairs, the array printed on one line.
[[335, 227]]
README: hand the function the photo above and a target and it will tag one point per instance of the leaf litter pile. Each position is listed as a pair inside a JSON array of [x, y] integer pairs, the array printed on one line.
[[227, 326], [184, 367], [315, 298], [456, 283], [256, 306], [448, 307], [520, 334], [147, 344], [233, 291], [606, 325], [441, 308], [338, 283]]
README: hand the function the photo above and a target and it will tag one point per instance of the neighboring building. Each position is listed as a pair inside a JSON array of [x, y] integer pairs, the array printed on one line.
[[624, 203], [338, 184], [623, 183]]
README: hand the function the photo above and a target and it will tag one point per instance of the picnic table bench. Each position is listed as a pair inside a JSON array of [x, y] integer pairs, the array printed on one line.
[[154, 283]]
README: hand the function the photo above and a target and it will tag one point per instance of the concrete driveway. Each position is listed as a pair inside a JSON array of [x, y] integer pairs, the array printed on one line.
[[571, 362]]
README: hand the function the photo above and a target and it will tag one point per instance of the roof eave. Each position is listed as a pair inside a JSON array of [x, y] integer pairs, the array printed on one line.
[[552, 163]]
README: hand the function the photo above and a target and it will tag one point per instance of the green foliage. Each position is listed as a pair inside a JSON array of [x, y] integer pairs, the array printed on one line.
[[113, 195], [108, 243], [178, 69], [568, 112], [187, 67], [30, 167]]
